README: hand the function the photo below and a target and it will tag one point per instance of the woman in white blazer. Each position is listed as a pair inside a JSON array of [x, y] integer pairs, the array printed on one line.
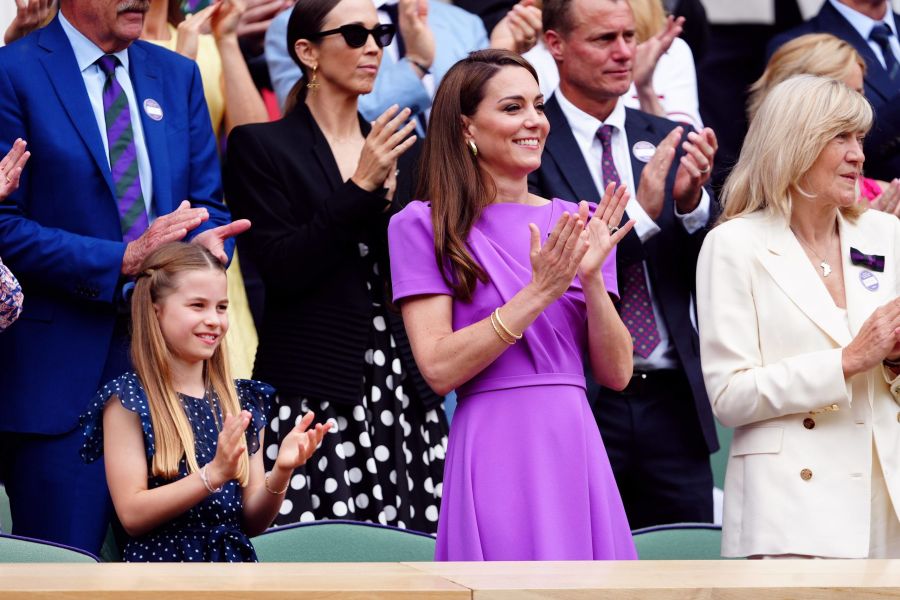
[[799, 318]]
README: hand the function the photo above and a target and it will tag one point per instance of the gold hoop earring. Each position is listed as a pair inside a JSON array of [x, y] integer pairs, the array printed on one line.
[[472, 148], [313, 84]]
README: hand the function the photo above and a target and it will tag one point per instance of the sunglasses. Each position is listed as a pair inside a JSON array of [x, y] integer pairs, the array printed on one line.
[[356, 35]]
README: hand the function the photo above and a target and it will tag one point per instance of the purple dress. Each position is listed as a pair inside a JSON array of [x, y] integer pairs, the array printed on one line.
[[526, 475]]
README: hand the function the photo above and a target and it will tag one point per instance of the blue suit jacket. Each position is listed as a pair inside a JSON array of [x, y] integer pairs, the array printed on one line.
[[456, 33], [882, 145], [60, 231], [671, 254]]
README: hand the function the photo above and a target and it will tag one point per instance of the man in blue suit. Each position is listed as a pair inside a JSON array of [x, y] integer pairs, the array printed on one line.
[[408, 76], [870, 26], [659, 430], [120, 137]]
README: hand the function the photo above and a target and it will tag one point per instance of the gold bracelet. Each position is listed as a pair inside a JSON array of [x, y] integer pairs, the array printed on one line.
[[499, 334], [273, 492], [504, 327]]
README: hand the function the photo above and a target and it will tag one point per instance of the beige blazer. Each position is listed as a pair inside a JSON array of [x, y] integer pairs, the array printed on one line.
[[799, 471]]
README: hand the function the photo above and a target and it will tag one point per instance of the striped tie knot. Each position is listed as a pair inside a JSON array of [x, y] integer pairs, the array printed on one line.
[[108, 64]]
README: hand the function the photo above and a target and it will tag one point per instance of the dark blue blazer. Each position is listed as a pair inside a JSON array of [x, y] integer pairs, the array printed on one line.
[[882, 145], [60, 232], [671, 255]]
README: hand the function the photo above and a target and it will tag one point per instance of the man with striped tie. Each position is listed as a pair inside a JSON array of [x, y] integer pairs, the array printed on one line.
[[659, 430], [123, 159]]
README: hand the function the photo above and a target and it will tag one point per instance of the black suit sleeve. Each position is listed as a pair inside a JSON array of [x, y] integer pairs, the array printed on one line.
[[292, 254]]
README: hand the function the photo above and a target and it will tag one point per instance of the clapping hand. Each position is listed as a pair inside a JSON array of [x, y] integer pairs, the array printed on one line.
[[230, 446], [29, 16], [417, 35], [11, 168], [553, 265], [695, 169], [889, 200], [214, 239], [877, 339], [190, 29], [649, 52], [389, 138], [602, 228], [520, 29], [300, 443]]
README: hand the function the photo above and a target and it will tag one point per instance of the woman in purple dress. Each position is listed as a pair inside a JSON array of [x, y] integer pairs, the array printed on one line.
[[502, 292]]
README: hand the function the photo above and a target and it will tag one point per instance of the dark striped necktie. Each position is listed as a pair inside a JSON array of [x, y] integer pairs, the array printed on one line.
[[881, 34], [122, 153]]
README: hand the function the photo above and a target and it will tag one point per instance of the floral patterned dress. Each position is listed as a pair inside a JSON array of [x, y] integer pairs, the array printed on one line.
[[10, 297]]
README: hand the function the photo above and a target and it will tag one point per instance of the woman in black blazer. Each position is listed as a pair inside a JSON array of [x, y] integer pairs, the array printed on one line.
[[320, 186]]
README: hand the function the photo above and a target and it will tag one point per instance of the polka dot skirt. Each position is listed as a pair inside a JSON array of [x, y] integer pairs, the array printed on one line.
[[383, 460], [211, 530]]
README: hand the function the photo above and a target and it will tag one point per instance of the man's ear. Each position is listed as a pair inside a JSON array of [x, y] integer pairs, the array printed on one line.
[[555, 44]]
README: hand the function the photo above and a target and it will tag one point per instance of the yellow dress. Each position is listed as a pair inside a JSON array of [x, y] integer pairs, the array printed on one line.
[[241, 339]]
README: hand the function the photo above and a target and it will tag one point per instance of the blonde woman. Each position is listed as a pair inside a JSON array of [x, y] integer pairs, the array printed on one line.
[[799, 318], [824, 55]]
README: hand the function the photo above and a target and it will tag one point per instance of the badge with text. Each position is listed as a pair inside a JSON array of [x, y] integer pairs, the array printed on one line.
[[643, 151], [868, 279], [153, 109]]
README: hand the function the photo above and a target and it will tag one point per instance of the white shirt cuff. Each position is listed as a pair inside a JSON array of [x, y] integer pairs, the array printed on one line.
[[697, 218]]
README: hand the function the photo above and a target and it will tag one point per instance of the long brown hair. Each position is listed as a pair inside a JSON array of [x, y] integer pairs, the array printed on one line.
[[449, 175], [151, 357], [306, 20]]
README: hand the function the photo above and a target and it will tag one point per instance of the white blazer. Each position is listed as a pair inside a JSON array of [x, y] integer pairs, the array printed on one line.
[[799, 471]]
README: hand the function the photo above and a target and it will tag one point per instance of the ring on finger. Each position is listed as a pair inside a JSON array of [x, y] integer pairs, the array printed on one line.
[[705, 170], [613, 229]]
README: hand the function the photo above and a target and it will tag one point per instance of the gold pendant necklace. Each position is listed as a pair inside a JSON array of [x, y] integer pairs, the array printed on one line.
[[823, 264]]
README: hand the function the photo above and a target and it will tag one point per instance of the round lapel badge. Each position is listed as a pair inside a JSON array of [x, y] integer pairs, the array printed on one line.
[[869, 281], [153, 109], [643, 151]]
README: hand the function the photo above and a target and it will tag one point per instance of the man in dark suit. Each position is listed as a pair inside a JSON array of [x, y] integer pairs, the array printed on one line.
[[659, 431], [870, 26], [120, 138]]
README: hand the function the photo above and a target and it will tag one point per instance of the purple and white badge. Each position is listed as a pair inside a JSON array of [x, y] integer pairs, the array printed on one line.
[[153, 109], [643, 151], [868, 279]]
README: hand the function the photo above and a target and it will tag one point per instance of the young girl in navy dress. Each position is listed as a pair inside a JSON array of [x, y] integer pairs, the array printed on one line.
[[180, 438]]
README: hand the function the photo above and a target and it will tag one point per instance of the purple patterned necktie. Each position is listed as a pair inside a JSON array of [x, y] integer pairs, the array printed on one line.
[[636, 309], [122, 153]]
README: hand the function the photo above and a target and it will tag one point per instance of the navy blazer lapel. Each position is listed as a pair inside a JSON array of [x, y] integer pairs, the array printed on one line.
[[876, 77], [149, 85], [564, 150], [65, 76]]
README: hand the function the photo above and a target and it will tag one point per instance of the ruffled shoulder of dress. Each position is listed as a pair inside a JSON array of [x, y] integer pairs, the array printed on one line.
[[255, 397], [129, 391]]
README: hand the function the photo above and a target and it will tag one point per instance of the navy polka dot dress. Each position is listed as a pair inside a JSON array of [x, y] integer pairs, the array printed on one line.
[[211, 530]]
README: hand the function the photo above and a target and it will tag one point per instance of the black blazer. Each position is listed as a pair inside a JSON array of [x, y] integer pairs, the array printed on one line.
[[882, 145], [307, 227], [671, 255]]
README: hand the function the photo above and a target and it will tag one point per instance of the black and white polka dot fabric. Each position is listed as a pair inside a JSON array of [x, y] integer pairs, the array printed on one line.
[[211, 530], [383, 460]]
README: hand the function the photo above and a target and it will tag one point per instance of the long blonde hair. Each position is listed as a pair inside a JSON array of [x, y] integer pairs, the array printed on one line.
[[819, 54], [151, 357], [794, 123]]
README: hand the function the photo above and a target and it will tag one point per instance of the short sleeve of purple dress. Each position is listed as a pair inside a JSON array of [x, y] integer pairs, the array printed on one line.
[[526, 475]]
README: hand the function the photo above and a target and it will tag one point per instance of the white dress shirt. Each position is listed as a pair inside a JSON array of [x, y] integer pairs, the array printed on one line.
[[584, 127], [863, 25], [86, 54]]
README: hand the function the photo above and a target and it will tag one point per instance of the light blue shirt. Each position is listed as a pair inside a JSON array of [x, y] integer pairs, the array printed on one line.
[[86, 54], [863, 25]]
